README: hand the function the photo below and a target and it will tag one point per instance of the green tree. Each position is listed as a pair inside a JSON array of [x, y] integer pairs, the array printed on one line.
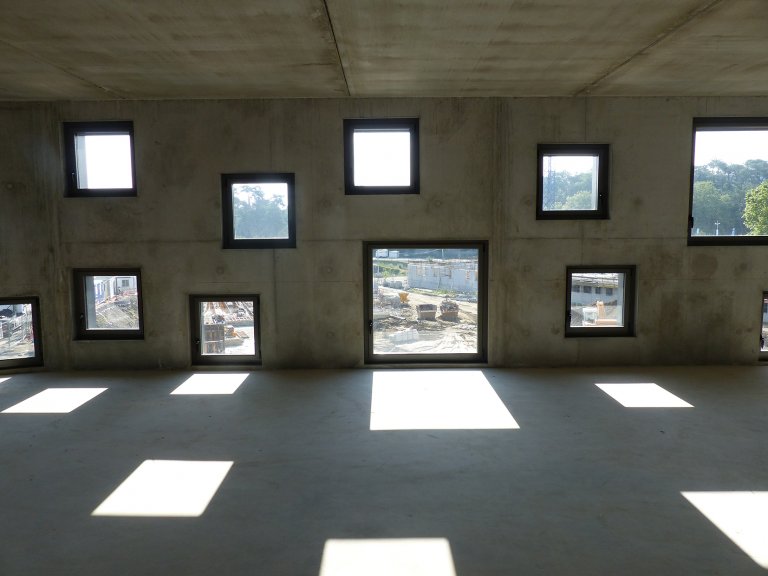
[[259, 217], [756, 210], [581, 200], [712, 209]]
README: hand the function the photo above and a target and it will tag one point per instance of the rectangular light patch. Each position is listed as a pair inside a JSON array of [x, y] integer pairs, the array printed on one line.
[[55, 401], [436, 400], [179, 488], [4, 379], [643, 396], [214, 383], [404, 557], [742, 516]]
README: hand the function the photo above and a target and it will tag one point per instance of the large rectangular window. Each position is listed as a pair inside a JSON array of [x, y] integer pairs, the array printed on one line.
[[20, 333], [729, 181], [99, 159], [258, 210], [225, 329], [381, 156], [425, 302], [609, 312], [108, 304], [572, 181]]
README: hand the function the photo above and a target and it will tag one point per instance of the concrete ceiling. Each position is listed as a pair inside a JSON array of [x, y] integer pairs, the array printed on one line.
[[165, 49]]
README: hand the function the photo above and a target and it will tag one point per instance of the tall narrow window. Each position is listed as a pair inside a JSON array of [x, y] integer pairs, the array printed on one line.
[[600, 301], [420, 303], [99, 159], [20, 343], [381, 156], [729, 181], [258, 210], [108, 304], [225, 329], [572, 181]]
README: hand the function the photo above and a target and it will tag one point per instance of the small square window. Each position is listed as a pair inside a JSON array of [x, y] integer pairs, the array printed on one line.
[[108, 304], [225, 329], [20, 333], [589, 314], [99, 159], [258, 210], [381, 156], [729, 181], [572, 181]]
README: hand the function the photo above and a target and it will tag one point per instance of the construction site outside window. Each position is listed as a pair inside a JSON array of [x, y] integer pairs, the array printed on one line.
[[225, 329], [588, 312], [108, 304]]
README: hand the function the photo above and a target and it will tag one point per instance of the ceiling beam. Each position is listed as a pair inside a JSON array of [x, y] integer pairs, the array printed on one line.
[[663, 35]]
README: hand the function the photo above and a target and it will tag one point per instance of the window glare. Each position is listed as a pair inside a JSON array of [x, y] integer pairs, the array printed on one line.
[[104, 161], [730, 146], [382, 158]]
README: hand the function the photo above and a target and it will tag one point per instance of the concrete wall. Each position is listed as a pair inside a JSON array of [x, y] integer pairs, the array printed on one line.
[[478, 156]]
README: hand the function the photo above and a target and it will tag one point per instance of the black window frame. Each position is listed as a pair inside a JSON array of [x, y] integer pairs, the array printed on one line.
[[480, 357], [713, 124], [199, 359], [82, 332], [74, 129], [630, 302], [602, 151], [37, 359], [352, 125], [228, 216]]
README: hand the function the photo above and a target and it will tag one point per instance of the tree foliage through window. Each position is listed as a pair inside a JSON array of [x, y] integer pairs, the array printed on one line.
[[260, 211], [720, 199]]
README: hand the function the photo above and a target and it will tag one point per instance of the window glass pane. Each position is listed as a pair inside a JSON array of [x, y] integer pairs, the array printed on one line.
[[589, 310], [569, 182], [227, 328], [111, 303], [103, 161], [260, 210], [730, 183], [382, 158], [764, 325], [425, 301], [17, 337]]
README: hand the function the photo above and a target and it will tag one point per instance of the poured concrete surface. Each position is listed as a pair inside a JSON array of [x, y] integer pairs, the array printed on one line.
[[584, 486], [478, 182], [118, 49]]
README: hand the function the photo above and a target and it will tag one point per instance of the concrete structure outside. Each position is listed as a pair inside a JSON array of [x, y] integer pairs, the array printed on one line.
[[452, 276]]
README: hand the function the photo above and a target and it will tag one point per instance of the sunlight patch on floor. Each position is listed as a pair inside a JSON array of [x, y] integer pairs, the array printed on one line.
[[215, 383], [742, 516], [55, 401], [180, 488], [646, 395], [436, 400], [387, 557]]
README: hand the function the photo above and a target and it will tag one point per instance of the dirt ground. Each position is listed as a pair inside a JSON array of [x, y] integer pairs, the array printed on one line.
[[397, 329]]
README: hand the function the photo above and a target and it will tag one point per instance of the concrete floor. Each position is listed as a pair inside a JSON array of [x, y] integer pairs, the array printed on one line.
[[584, 486]]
